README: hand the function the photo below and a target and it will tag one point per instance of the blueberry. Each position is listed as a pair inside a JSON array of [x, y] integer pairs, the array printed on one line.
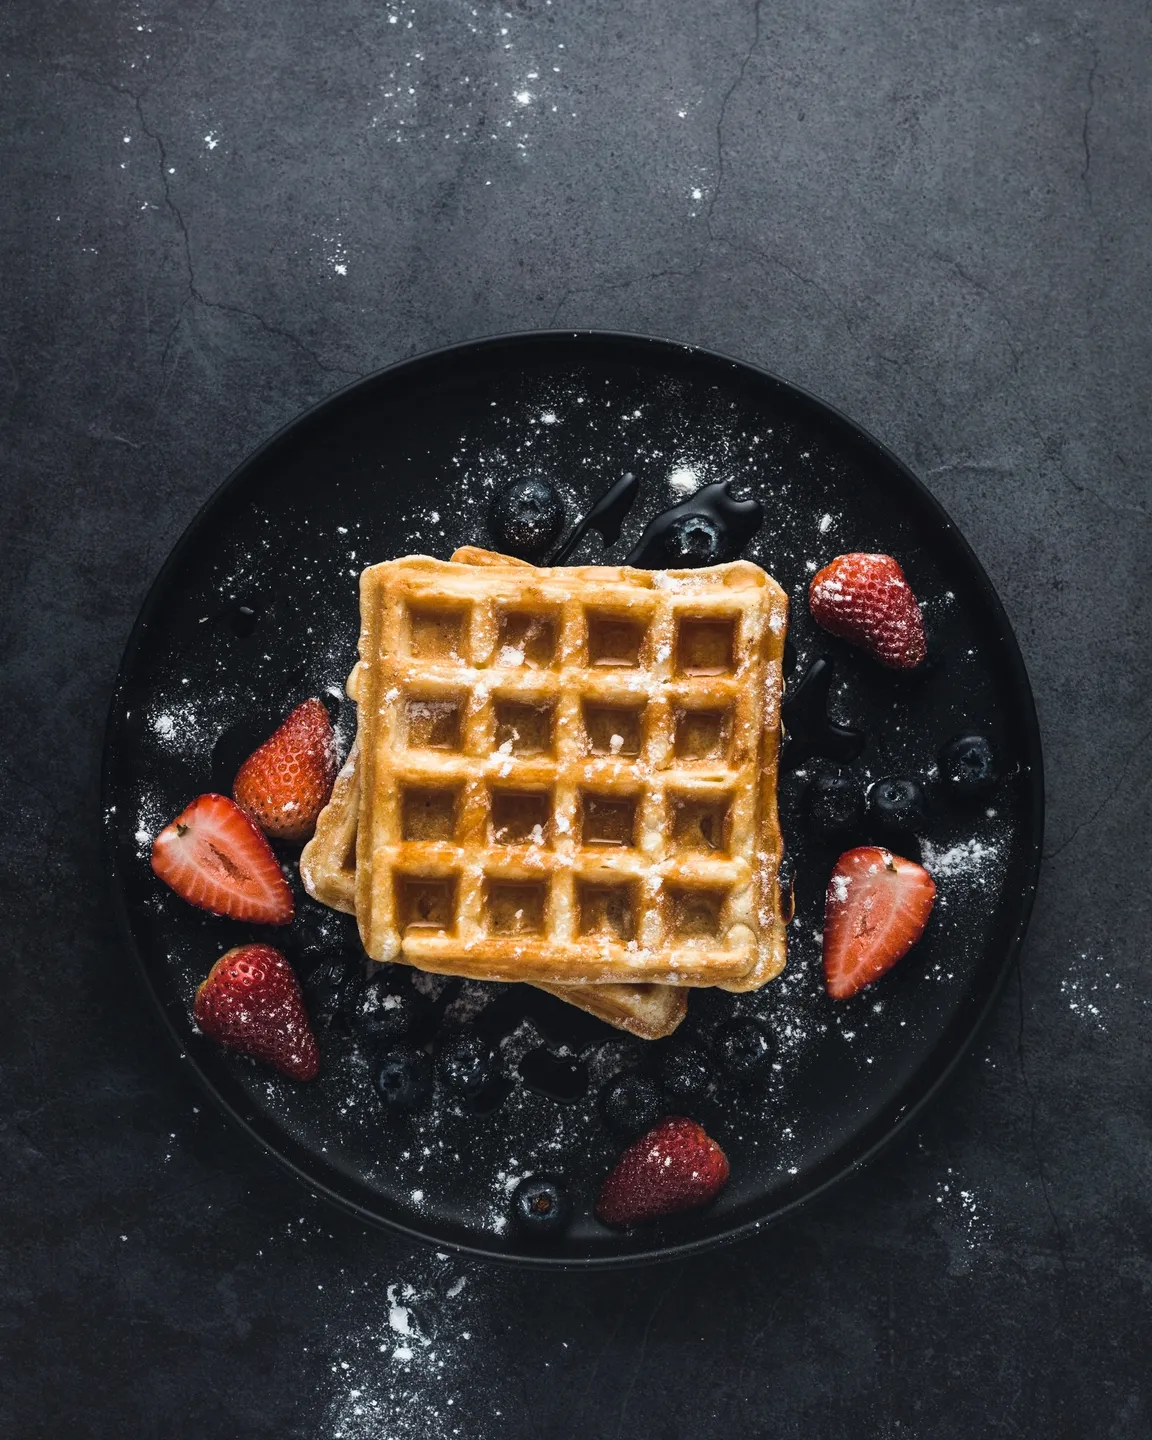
[[540, 1205], [834, 804], [897, 803], [631, 1104], [526, 518], [746, 1049], [686, 1072], [465, 1064], [967, 765], [389, 1019], [404, 1078], [691, 541], [331, 992]]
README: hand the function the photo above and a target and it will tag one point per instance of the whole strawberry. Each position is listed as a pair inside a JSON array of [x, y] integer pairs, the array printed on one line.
[[866, 600], [675, 1166], [251, 1003], [285, 784]]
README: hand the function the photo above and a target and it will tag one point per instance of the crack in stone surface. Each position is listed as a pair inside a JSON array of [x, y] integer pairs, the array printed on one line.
[[193, 289], [755, 253], [723, 115], [195, 294], [627, 284], [1122, 507], [649, 276], [1086, 168], [1107, 800]]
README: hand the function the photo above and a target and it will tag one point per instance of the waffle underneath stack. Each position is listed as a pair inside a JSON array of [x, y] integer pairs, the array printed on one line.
[[565, 777]]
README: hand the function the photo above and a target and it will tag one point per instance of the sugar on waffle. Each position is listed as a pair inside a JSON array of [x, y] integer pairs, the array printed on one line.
[[569, 776], [328, 868]]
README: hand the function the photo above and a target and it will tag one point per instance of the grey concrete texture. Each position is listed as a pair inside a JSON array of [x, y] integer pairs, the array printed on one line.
[[934, 215]]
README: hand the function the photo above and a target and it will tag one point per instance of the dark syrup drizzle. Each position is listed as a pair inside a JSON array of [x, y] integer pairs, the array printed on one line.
[[706, 529], [808, 728], [605, 517]]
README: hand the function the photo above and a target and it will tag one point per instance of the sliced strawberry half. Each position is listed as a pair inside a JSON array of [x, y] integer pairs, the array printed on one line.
[[675, 1166], [285, 783], [214, 857], [866, 600], [251, 1003], [875, 910]]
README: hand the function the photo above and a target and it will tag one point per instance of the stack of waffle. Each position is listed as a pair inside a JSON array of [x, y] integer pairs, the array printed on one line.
[[565, 777]]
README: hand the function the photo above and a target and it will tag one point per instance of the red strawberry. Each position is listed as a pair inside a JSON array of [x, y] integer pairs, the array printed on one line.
[[251, 1002], [876, 909], [214, 857], [866, 600], [285, 784], [675, 1166]]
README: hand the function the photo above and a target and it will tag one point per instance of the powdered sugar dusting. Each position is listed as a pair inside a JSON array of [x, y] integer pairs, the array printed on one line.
[[977, 860], [960, 1218], [684, 480], [1088, 989], [406, 1371]]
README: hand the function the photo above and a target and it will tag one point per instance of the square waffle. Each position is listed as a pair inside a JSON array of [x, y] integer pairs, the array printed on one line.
[[328, 869], [568, 776]]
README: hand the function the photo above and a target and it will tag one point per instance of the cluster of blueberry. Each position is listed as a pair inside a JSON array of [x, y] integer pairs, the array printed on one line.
[[414, 1051], [633, 1102], [394, 1031], [837, 804]]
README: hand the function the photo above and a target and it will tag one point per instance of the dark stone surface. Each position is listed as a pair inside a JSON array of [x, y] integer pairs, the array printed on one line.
[[935, 215]]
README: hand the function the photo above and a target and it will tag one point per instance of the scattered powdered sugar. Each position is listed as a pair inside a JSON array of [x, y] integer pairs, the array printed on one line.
[[1086, 987], [429, 984], [977, 859], [406, 1370], [335, 253], [684, 480], [186, 727], [400, 1317], [961, 1222], [150, 820], [472, 999]]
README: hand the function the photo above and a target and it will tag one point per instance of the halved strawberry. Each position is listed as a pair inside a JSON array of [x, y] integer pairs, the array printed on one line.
[[214, 857], [251, 1003], [675, 1166], [285, 783], [875, 910], [866, 600]]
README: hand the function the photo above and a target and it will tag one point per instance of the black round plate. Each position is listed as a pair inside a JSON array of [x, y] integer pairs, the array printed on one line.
[[257, 608]]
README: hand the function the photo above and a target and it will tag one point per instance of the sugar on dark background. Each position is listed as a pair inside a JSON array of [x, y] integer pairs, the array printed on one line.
[[933, 214]]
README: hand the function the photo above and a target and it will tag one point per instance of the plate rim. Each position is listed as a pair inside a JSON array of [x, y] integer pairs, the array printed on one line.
[[1028, 722]]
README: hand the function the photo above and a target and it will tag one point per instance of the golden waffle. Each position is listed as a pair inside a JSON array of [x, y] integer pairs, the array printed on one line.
[[569, 776], [328, 869]]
